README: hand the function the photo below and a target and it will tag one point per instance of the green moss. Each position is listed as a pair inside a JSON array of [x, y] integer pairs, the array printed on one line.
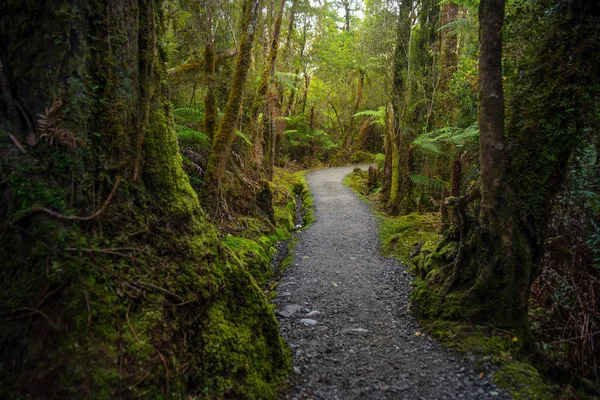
[[357, 181], [254, 256], [523, 382], [401, 235], [302, 189], [162, 166]]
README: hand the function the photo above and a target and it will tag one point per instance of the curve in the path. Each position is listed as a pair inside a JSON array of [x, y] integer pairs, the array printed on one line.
[[343, 308]]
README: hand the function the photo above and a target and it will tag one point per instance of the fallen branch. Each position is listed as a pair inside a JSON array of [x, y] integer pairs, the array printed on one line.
[[34, 311], [71, 217]]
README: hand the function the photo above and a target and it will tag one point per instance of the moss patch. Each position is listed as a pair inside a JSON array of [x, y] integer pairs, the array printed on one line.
[[403, 236]]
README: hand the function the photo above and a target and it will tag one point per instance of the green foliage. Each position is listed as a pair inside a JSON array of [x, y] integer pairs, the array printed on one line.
[[188, 115], [302, 141], [428, 183], [433, 142], [377, 116], [287, 80], [380, 161]]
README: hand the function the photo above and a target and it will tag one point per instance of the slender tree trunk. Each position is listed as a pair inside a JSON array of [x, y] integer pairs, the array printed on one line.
[[386, 183], [491, 108], [399, 105], [272, 105], [210, 101], [449, 57], [217, 161], [360, 86]]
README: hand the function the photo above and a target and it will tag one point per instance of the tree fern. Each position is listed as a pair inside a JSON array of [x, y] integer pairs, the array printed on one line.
[[432, 142]]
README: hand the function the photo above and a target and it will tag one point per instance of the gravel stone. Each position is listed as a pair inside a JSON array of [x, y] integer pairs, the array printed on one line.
[[289, 310]]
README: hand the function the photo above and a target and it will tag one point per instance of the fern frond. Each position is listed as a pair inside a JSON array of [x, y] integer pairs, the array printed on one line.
[[427, 182], [243, 136], [188, 115], [190, 137], [287, 79], [370, 113]]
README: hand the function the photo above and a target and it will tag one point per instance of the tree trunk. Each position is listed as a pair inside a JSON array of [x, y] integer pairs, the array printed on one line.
[[398, 140], [210, 62], [270, 101], [217, 161], [386, 180], [487, 274], [112, 278], [448, 50], [491, 108]]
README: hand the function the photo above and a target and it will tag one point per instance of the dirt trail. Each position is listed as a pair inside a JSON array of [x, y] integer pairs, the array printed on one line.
[[342, 308]]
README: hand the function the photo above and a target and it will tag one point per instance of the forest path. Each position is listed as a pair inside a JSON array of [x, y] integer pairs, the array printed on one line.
[[343, 309]]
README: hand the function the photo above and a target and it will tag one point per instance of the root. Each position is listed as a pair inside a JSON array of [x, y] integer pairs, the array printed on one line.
[[34, 311], [71, 217]]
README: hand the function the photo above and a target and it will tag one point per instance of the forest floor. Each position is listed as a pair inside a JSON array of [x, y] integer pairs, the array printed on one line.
[[344, 310]]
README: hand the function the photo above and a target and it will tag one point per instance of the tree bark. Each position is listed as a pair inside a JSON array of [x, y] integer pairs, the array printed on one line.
[[491, 108], [210, 62]]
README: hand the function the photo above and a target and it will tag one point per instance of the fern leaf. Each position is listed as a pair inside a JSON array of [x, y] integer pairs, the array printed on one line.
[[245, 138], [188, 115], [427, 182]]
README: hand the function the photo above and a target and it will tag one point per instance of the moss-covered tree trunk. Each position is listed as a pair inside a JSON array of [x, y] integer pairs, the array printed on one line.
[[217, 161], [113, 283], [398, 140], [486, 273], [449, 57], [210, 64], [386, 180]]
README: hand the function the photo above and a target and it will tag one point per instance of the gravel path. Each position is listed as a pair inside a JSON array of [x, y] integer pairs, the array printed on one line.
[[343, 308]]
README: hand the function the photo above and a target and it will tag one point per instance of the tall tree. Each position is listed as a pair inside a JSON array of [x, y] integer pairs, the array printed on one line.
[[491, 110], [210, 64], [399, 143], [217, 162]]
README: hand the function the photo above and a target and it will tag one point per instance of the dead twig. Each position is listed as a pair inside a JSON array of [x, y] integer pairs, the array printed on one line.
[[89, 309], [164, 361], [49, 295], [17, 143], [150, 285]]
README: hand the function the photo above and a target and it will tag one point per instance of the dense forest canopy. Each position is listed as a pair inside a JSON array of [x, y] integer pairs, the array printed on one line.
[[146, 149]]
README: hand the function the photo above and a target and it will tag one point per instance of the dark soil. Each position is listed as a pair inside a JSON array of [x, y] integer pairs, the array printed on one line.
[[344, 310]]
